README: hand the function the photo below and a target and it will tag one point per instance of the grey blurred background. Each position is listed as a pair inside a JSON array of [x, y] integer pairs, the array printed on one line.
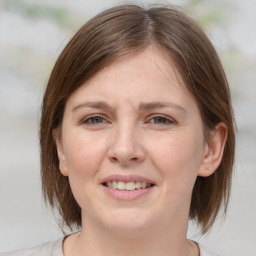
[[33, 33]]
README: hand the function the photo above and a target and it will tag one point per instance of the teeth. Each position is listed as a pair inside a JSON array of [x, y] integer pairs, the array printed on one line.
[[138, 185], [121, 185], [114, 184], [130, 186]]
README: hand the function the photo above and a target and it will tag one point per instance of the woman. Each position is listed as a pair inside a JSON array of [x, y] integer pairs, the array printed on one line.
[[137, 136]]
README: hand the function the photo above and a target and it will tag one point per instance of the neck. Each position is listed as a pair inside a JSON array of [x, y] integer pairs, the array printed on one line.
[[164, 241]]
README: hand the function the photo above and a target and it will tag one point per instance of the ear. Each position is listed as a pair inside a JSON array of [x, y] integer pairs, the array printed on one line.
[[60, 151], [213, 151]]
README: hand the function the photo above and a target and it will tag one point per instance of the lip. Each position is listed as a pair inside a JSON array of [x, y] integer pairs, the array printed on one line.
[[125, 194]]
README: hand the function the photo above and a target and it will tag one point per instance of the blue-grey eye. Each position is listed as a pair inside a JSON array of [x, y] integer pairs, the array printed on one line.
[[161, 120], [94, 120]]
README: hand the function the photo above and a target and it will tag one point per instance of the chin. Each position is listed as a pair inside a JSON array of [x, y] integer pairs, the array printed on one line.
[[128, 222]]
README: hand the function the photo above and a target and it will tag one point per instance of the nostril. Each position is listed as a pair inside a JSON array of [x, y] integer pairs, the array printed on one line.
[[113, 159]]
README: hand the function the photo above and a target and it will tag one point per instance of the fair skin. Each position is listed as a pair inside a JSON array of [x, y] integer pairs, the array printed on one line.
[[133, 123]]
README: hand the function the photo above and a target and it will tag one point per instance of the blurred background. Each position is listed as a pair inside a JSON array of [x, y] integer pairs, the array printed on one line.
[[32, 35]]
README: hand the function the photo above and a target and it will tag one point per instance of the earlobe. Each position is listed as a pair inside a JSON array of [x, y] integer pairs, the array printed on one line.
[[214, 150], [60, 152]]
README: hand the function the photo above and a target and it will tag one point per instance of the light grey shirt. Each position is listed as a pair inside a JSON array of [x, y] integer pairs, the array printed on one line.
[[47, 249], [55, 249]]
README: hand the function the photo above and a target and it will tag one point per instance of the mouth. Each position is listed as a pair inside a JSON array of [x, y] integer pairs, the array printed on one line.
[[127, 186]]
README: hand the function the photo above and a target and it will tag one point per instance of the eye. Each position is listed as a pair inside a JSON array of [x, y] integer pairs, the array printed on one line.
[[94, 120], [161, 120]]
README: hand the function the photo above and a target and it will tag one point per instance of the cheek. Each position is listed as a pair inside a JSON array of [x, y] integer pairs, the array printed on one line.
[[84, 153], [84, 157], [178, 159]]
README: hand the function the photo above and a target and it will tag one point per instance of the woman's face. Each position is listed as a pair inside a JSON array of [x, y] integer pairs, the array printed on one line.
[[132, 145]]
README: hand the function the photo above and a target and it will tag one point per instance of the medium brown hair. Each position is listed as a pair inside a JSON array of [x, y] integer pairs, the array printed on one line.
[[117, 32]]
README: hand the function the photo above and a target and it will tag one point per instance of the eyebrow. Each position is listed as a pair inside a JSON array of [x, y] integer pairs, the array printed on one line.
[[96, 104], [142, 106], [160, 104]]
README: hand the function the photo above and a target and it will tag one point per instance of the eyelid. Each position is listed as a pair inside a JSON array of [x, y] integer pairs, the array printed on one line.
[[87, 118], [169, 119]]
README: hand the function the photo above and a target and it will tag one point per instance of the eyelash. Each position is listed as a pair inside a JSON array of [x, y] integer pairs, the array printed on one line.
[[88, 119], [166, 120]]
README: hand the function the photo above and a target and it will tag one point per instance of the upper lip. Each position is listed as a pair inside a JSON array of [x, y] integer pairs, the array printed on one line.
[[127, 178]]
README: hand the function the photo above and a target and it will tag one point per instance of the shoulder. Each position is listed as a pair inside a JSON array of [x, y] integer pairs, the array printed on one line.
[[47, 249], [205, 252]]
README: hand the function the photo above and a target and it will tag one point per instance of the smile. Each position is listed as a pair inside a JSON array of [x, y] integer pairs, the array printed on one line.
[[129, 186]]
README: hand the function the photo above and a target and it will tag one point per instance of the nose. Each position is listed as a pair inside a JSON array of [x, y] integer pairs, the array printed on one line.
[[126, 146]]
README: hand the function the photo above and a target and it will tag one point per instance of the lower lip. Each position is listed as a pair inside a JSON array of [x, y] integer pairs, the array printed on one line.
[[127, 194]]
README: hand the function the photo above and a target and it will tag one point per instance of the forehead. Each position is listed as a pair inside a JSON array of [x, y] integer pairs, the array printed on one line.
[[146, 75], [151, 61]]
